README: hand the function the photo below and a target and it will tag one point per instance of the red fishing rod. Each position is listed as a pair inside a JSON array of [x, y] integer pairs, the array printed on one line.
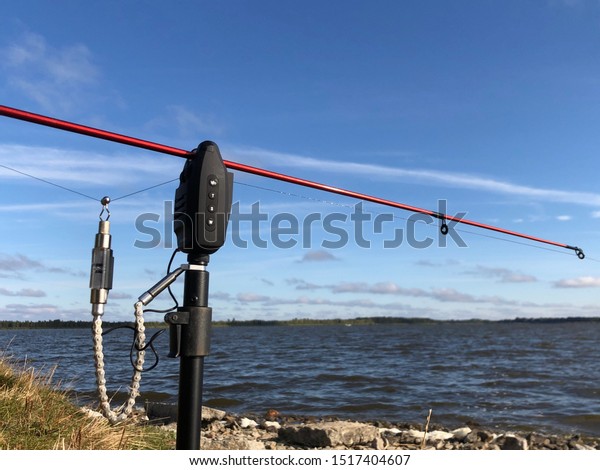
[[156, 147]]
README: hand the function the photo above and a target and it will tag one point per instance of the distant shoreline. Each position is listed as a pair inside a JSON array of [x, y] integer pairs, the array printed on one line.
[[358, 321]]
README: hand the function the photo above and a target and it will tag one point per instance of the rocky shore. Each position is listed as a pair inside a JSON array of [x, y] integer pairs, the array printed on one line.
[[274, 431]]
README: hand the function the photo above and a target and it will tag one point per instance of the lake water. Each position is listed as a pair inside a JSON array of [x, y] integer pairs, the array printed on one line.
[[516, 376]]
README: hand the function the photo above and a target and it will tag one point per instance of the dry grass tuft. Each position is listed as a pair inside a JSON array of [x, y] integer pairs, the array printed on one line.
[[34, 415]]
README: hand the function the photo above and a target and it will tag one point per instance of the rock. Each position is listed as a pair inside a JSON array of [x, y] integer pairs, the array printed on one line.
[[271, 425], [439, 436], [211, 414], [167, 413], [391, 431], [164, 413], [414, 434], [512, 442], [271, 415], [485, 436], [332, 434], [91, 413], [232, 443], [248, 423], [538, 441], [460, 434], [418, 436]]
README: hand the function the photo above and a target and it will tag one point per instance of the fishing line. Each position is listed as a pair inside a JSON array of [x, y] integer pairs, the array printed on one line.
[[49, 182], [285, 193], [80, 193], [145, 189]]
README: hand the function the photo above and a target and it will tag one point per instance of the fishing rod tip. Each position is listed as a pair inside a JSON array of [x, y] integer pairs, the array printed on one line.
[[578, 251]]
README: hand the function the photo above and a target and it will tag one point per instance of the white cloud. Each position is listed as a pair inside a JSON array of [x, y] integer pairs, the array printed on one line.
[[38, 312], [318, 255], [579, 282], [87, 169], [248, 297], [53, 77], [502, 274], [564, 218], [185, 122], [22, 292], [392, 288], [445, 178], [14, 265]]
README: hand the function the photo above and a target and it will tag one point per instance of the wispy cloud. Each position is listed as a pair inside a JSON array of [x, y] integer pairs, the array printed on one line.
[[502, 274], [392, 288], [579, 282], [461, 305], [41, 312], [53, 77], [251, 297], [77, 167], [318, 256], [116, 295], [15, 265], [415, 175], [22, 292], [185, 122], [84, 168]]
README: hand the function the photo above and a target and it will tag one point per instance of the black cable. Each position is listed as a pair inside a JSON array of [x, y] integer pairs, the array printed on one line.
[[134, 346], [169, 289]]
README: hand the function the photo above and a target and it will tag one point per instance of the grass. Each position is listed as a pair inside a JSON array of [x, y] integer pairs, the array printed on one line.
[[36, 415]]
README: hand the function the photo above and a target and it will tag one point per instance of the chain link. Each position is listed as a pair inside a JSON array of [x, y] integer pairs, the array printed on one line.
[[125, 410]]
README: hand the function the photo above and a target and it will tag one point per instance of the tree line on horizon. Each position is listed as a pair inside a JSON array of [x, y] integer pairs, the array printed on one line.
[[65, 324]]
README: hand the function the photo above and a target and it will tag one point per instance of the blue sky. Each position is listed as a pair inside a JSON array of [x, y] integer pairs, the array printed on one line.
[[491, 106]]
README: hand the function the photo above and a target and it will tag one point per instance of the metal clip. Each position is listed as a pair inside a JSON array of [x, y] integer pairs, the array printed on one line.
[[443, 225], [105, 201]]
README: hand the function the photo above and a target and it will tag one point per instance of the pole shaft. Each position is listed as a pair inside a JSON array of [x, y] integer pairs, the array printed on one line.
[[191, 367], [189, 408]]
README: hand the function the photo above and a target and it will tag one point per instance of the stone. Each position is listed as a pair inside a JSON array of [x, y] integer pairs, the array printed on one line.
[[271, 415], [167, 413], [512, 442], [390, 431], [164, 413], [332, 434], [439, 436], [414, 434], [538, 441], [212, 414], [248, 423], [91, 413], [485, 436], [271, 425], [232, 443], [461, 434]]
